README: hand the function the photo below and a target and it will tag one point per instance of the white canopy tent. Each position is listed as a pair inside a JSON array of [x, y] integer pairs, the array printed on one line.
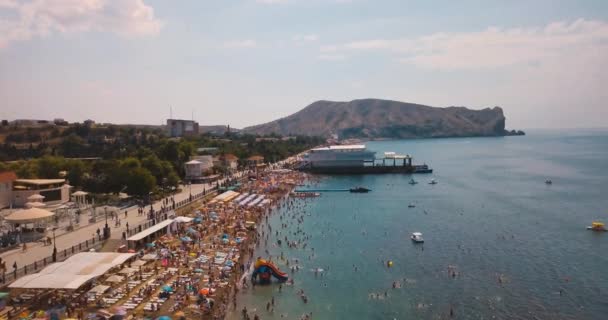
[[151, 230], [36, 197], [73, 272], [182, 219], [34, 205], [31, 215], [114, 279], [138, 263], [99, 289]]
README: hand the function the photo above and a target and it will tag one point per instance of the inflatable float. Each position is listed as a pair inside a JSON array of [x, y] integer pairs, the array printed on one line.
[[265, 269]]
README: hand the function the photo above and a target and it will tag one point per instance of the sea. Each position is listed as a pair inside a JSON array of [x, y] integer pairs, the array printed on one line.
[[500, 243]]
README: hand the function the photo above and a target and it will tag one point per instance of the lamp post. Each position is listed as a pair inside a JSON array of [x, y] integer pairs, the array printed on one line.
[[106, 229], [54, 246]]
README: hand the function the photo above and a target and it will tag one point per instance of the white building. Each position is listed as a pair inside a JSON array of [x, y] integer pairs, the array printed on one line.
[[340, 156], [6, 188], [180, 128]]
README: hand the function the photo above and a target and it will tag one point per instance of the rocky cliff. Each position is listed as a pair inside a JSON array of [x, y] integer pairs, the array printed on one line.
[[375, 118]]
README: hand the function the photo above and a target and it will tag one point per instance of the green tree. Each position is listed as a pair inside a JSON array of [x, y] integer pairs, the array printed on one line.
[[76, 172], [49, 167], [140, 182]]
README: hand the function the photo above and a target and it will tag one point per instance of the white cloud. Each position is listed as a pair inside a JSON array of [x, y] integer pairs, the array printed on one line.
[[248, 43], [272, 1], [40, 18], [493, 47], [331, 57], [304, 39]]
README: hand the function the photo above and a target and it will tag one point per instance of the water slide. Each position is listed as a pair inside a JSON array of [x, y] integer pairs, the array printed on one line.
[[264, 269]]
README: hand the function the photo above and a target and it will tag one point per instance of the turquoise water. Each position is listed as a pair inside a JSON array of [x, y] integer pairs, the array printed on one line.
[[512, 241]]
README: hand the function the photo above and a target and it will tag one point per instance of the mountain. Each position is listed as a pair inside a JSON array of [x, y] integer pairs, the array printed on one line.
[[375, 118]]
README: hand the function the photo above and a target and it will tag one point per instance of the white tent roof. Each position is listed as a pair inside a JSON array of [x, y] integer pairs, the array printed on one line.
[[35, 197], [127, 270], [183, 219], [114, 278], [80, 193], [99, 289], [34, 205], [73, 272], [150, 230], [138, 263], [150, 256], [28, 215]]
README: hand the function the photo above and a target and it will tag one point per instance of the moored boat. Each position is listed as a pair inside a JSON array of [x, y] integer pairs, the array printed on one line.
[[597, 226], [359, 190], [417, 237]]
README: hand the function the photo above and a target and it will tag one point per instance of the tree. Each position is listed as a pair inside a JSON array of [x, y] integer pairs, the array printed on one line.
[[76, 172], [49, 167], [140, 182]]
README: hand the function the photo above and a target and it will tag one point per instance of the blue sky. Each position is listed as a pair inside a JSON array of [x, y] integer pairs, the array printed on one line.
[[244, 62]]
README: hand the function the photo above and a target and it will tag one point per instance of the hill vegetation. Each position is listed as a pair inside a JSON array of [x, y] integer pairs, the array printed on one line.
[[135, 160], [375, 118]]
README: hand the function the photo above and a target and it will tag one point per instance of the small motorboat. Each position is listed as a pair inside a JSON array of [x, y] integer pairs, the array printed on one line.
[[411, 205], [433, 181], [597, 226], [417, 237], [360, 190], [548, 181], [413, 182]]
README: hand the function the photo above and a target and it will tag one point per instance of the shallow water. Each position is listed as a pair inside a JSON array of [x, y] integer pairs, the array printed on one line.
[[512, 241]]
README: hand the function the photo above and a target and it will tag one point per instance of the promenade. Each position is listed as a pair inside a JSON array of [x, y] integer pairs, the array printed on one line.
[[37, 251]]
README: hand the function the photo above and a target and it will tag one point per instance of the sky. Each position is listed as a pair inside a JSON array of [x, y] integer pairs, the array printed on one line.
[[245, 62]]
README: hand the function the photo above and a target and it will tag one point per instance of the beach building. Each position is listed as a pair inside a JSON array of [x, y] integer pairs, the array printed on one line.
[[197, 167], [6, 188], [340, 156], [229, 161], [206, 162], [194, 170], [181, 128], [54, 191], [255, 161]]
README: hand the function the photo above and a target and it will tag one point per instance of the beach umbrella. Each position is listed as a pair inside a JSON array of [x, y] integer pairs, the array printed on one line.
[[150, 245], [198, 270], [204, 291], [186, 239], [198, 220], [163, 318], [119, 311], [167, 288]]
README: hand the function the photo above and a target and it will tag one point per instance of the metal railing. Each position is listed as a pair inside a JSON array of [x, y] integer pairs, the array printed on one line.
[[11, 274], [180, 204]]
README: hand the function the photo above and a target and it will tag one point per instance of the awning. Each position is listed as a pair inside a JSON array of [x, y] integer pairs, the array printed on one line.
[[150, 256], [183, 219], [150, 230], [138, 263], [127, 270], [114, 278], [99, 289], [73, 272], [28, 215], [80, 193]]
